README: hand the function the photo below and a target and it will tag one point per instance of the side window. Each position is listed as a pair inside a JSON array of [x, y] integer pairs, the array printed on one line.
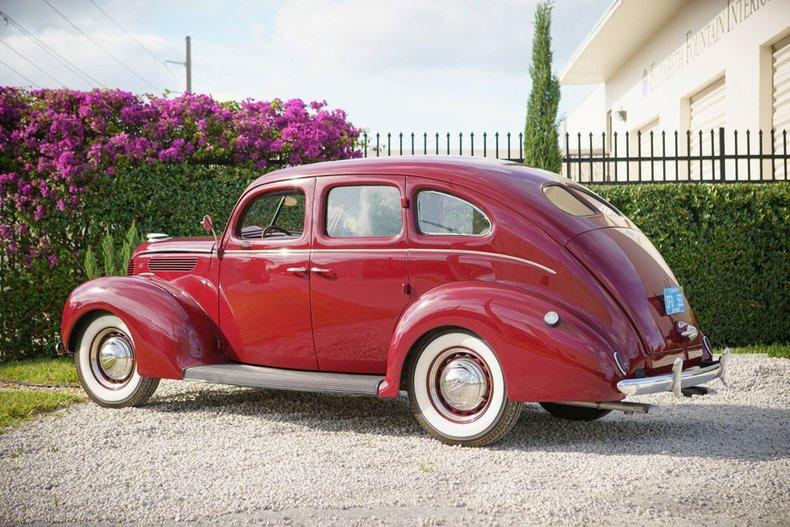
[[363, 211], [273, 215], [440, 213], [567, 201]]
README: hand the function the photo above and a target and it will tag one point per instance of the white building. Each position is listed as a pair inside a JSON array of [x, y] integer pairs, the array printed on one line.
[[678, 65]]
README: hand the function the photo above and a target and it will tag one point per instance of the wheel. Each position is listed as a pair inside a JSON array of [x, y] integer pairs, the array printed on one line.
[[457, 391], [106, 365], [574, 413]]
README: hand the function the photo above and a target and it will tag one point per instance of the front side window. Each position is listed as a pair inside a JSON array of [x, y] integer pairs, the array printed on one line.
[[567, 201], [273, 215], [363, 211], [440, 213]]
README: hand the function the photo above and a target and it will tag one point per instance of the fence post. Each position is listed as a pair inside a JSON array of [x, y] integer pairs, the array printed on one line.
[[722, 163]]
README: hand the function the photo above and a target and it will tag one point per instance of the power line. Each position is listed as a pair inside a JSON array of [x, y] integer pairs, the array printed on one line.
[[95, 43], [15, 71], [143, 46], [6, 44], [85, 77]]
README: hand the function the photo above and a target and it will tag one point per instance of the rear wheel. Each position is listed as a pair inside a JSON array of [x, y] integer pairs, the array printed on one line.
[[457, 391], [574, 413], [106, 365]]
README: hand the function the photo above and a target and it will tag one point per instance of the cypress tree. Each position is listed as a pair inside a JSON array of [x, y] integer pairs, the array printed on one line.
[[541, 149]]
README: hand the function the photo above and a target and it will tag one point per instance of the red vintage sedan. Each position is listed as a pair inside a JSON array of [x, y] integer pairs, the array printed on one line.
[[472, 285]]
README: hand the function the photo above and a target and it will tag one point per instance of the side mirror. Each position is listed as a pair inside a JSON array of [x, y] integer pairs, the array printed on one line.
[[208, 226]]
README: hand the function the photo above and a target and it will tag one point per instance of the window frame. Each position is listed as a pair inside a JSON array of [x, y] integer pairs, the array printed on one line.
[[416, 218], [325, 211]]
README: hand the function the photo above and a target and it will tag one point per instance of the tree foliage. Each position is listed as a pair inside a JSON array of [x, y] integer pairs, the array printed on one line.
[[541, 149]]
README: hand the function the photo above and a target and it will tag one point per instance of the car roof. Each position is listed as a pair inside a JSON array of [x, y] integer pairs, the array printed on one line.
[[471, 172], [511, 184]]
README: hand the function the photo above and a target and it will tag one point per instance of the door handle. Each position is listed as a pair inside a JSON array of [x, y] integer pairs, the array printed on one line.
[[320, 270], [297, 269]]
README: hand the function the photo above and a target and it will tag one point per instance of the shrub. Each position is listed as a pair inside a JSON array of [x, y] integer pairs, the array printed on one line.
[[77, 165], [728, 247]]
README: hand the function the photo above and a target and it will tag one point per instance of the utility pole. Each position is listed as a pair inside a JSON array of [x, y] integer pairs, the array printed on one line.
[[187, 64]]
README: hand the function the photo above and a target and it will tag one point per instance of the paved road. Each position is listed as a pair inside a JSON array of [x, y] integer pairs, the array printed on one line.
[[233, 456]]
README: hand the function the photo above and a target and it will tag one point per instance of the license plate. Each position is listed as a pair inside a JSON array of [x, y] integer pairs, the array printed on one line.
[[674, 301]]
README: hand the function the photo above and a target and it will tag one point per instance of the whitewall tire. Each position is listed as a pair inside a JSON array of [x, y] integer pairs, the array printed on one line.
[[106, 365], [457, 390]]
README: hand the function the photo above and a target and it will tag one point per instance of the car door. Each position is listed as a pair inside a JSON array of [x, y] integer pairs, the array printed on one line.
[[359, 270], [264, 278]]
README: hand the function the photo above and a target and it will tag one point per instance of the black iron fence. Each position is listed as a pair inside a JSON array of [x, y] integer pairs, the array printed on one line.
[[713, 156]]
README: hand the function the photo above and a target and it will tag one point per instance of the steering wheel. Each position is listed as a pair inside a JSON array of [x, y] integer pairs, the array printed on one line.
[[273, 228]]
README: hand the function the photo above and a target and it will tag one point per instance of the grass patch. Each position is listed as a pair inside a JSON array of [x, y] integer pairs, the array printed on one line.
[[60, 370], [17, 405], [774, 350]]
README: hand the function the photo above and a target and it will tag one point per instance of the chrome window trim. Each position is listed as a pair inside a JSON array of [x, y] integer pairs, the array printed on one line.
[[475, 207]]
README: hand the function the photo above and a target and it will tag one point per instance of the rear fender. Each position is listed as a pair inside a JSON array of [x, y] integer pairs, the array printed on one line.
[[169, 330], [571, 361]]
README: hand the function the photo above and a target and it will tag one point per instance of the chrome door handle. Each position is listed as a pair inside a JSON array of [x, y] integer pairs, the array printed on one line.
[[297, 269], [320, 270]]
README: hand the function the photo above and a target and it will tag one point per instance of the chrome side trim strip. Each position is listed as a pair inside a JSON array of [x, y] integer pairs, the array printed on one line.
[[173, 251], [394, 251], [283, 379]]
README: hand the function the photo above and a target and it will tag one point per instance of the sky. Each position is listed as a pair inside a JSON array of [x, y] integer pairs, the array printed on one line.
[[404, 66]]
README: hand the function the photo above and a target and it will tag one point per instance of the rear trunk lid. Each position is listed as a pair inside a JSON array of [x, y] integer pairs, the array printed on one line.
[[635, 274]]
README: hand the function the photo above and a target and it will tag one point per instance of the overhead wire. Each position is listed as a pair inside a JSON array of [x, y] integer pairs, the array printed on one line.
[[131, 36], [100, 47], [18, 73], [39, 68], [82, 75]]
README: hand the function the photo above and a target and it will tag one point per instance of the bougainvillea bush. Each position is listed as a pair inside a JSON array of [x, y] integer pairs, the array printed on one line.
[[65, 155]]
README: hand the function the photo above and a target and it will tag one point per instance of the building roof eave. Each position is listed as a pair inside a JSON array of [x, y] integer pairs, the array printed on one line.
[[617, 36]]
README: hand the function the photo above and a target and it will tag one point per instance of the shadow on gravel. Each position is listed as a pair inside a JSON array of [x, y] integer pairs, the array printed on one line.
[[713, 431]]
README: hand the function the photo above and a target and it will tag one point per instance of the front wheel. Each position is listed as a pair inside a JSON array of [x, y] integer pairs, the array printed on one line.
[[574, 413], [457, 391], [106, 365]]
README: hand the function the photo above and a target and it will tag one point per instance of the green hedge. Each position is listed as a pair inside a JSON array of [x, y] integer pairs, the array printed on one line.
[[727, 244], [160, 198], [728, 247]]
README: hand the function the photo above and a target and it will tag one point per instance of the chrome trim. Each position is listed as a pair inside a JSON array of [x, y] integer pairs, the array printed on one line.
[[320, 270], [156, 236], [297, 269], [627, 407], [179, 251], [286, 251], [551, 319], [679, 379], [686, 330], [618, 362]]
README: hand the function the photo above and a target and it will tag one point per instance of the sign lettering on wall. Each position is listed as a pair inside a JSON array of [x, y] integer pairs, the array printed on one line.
[[736, 13]]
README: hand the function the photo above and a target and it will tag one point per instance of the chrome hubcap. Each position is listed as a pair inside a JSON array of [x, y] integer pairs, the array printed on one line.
[[459, 385], [115, 358], [463, 384], [112, 358]]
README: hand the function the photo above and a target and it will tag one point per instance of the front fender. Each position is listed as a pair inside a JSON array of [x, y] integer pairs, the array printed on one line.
[[169, 330], [570, 362]]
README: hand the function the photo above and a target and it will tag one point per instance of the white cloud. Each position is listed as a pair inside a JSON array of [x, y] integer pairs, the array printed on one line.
[[406, 66]]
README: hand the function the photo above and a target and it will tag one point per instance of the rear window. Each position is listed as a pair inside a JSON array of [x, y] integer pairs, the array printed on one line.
[[567, 201], [441, 213]]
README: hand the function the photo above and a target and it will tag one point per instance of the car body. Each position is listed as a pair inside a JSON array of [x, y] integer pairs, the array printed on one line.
[[340, 276]]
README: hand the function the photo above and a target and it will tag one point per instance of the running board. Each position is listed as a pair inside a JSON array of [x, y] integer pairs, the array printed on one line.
[[281, 379]]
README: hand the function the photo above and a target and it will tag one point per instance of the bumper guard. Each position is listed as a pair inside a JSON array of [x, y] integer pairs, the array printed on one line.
[[679, 379]]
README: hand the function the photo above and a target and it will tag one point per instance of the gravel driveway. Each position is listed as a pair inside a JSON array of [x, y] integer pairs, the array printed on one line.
[[232, 455]]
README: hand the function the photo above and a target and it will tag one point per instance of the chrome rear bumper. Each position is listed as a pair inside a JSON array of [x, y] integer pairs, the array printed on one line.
[[679, 379]]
